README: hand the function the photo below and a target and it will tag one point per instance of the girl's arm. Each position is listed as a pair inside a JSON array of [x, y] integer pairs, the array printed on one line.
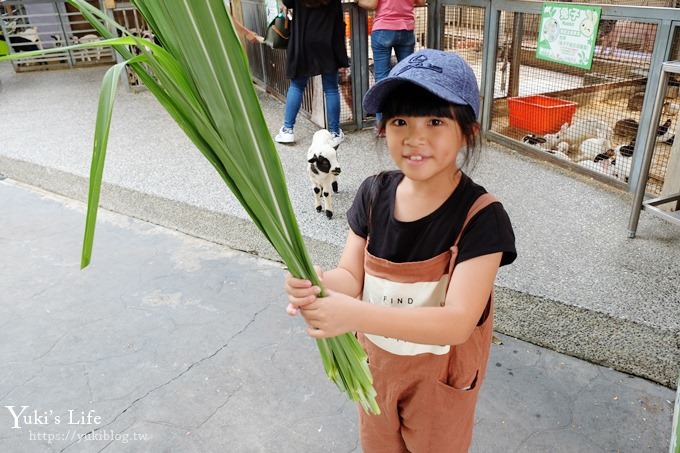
[[348, 277], [467, 295]]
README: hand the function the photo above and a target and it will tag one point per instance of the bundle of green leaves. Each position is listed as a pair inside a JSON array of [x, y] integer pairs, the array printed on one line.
[[200, 75]]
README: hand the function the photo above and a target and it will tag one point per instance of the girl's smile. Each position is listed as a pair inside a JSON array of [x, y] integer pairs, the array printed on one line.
[[415, 159]]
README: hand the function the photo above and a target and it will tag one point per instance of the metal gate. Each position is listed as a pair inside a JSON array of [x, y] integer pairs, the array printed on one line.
[[42, 24]]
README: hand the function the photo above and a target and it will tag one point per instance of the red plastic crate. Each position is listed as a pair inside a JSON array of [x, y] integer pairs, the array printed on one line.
[[540, 114]]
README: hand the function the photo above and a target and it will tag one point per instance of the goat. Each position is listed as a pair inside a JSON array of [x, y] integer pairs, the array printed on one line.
[[576, 133], [592, 147], [87, 54], [532, 139], [26, 40], [664, 133], [626, 127], [323, 168], [623, 160]]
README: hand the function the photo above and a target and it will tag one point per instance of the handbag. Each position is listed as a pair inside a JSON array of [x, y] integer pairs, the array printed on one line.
[[278, 32]]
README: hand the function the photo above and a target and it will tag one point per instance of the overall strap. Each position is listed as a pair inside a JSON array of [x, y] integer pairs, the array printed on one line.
[[480, 203]]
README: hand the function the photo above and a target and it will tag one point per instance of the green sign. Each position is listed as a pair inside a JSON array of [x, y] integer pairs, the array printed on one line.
[[567, 34]]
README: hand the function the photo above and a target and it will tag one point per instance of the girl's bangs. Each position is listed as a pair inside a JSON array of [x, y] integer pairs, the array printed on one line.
[[411, 100]]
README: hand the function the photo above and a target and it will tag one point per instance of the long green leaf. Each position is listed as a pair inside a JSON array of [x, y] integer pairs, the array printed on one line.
[[101, 138], [200, 76]]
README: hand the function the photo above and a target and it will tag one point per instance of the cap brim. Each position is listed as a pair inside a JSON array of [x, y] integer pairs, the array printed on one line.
[[378, 92]]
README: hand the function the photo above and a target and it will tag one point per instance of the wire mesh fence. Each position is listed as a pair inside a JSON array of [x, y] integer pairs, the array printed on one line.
[[588, 118]]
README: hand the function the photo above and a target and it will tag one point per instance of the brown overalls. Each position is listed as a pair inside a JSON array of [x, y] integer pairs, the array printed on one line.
[[426, 393]]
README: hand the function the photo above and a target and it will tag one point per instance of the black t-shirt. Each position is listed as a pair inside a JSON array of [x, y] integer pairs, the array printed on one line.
[[489, 231]]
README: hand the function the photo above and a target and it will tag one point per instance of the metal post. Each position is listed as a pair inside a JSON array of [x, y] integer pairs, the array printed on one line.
[[650, 141], [659, 56], [358, 65], [516, 59], [490, 46], [435, 24]]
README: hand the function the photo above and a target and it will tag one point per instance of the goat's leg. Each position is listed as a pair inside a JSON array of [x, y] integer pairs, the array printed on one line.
[[328, 201], [317, 196], [334, 184]]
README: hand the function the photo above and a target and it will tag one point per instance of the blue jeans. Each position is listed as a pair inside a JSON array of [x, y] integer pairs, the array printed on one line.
[[329, 81], [382, 42]]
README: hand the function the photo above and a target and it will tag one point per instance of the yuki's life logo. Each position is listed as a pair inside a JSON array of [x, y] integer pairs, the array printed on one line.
[[24, 416]]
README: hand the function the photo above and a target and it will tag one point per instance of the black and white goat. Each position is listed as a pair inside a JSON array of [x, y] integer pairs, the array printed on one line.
[[323, 168], [532, 139], [623, 160]]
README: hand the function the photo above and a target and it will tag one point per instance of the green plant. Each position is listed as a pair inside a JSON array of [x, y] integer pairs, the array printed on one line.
[[200, 76]]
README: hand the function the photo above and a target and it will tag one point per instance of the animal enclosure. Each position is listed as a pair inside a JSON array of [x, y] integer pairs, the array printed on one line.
[[37, 25], [601, 135]]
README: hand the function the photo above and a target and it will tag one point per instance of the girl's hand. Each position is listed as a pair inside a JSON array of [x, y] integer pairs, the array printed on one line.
[[301, 292], [331, 315]]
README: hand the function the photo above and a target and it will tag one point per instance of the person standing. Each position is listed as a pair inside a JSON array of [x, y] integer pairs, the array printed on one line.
[[393, 29], [415, 279], [316, 47]]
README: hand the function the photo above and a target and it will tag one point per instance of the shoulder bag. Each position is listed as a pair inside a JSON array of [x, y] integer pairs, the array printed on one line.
[[278, 32]]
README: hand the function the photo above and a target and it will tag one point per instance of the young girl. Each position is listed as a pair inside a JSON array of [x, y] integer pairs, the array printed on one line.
[[416, 275]]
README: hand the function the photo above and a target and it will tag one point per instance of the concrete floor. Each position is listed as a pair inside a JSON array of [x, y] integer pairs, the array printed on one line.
[[579, 286], [170, 343]]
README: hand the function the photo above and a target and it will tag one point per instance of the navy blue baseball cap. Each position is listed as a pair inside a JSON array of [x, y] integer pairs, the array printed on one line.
[[444, 74]]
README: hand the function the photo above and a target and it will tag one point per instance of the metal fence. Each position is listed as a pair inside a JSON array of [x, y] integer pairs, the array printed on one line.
[[39, 24], [498, 38], [607, 98], [520, 92], [612, 99]]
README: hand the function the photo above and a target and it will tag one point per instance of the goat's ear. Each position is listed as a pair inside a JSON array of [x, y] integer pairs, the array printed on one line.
[[312, 159]]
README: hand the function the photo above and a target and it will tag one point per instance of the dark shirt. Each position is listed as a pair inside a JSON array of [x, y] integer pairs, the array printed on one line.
[[317, 39], [489, 231]]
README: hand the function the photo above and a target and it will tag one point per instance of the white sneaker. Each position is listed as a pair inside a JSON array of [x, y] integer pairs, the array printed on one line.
[[285, 135], [338, 137]]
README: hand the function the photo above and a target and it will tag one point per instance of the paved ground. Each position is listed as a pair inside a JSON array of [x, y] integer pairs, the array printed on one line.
[[168, 343], [183, 342], [579, 285]]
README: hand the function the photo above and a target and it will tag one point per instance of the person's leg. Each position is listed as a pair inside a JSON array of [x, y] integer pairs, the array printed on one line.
[[329, 82], [294, 101], [404, 43], [381, 43], [291, 109]]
